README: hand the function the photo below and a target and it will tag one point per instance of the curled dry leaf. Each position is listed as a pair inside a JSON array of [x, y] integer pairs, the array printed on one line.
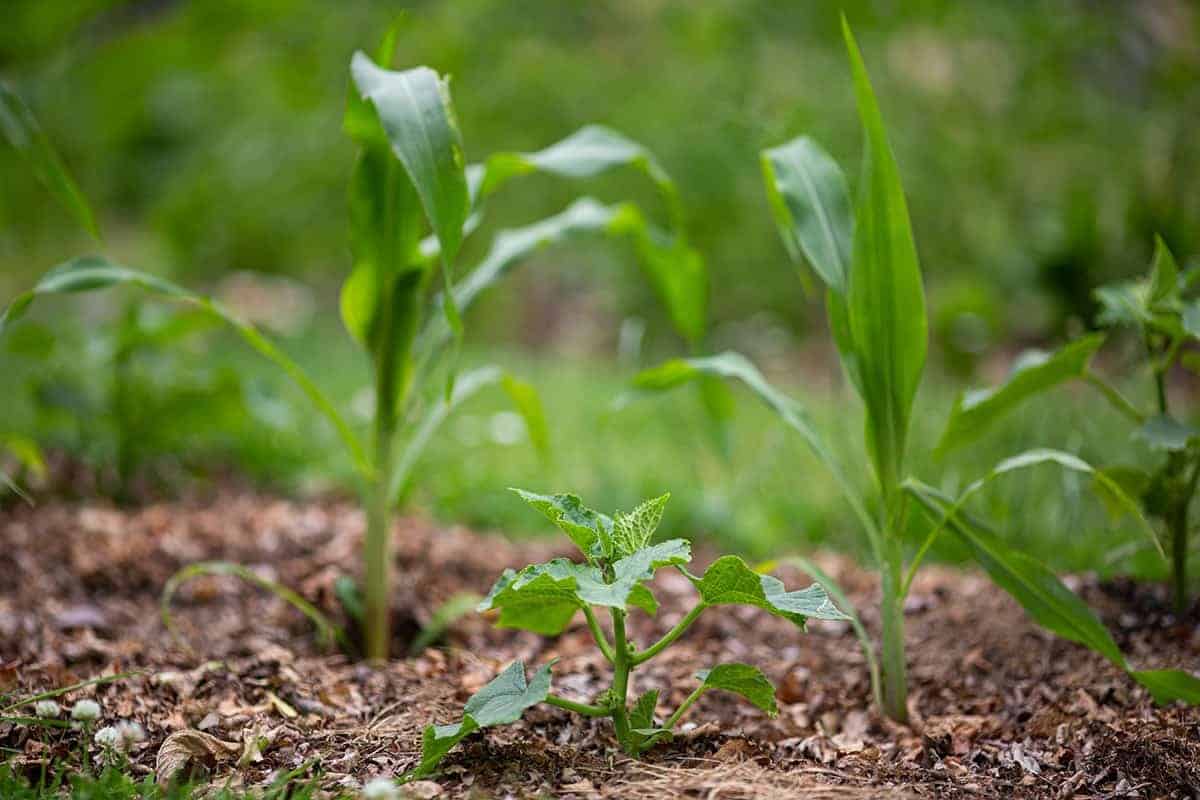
[[185, 748]]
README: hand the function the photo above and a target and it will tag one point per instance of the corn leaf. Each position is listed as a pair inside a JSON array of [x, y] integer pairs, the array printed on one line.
[[744, 680], [416, 113], [812, 208], [1033, 373], [24, 133], [1050, 603], [885, 302], [94, 272]]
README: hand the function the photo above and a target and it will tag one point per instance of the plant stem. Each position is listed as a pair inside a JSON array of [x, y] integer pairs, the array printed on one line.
[[585, 709], [669, 637], [621, 681], [895, 670], [683, 707], [1179, 541], [598, 634]]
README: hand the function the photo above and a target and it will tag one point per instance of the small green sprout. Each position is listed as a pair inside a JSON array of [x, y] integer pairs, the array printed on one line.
[[619, 561]]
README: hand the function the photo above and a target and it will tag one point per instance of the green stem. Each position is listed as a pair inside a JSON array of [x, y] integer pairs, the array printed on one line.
[[598, 634], [895, 670], [1179, 541], [1114, 397], [621, 668], [669, 637], [683, 707], [585, 709]]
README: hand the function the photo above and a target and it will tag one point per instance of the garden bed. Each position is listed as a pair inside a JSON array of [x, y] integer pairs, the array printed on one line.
[[1000, 708]]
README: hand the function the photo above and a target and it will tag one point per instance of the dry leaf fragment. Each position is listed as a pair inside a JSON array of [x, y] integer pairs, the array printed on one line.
[[420, 790], [185, 748]]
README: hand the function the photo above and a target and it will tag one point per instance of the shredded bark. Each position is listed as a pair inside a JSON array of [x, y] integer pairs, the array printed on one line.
[[1000, 707]]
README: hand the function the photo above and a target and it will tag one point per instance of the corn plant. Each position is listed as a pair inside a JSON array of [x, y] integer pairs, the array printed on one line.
[[865, 255], [1164, 314], [410, 177], [619, 560]]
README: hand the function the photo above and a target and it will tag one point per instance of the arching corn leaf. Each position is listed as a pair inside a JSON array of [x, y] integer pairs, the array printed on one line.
[[1033, 373], [1050, 603], [811, 203], [744, 680], [94, 272], [735, 366], [885, 301], [524, 398], [729, 581], [24, 133], [500, 702]]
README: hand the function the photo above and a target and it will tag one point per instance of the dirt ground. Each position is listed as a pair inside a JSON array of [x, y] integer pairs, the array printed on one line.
[[1000, 708]]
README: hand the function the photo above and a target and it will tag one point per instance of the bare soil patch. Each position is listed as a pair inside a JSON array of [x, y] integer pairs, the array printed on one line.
[[1001, 708]]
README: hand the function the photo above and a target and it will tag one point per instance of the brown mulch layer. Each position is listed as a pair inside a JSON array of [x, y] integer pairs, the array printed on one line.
[[1000, 708]]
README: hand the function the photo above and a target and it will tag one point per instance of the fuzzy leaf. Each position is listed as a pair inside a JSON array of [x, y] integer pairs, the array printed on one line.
[[729, 581], [811, 203], [1033, 373], [742, 679], [541, 598], [1167, 433], [633, 531], [590, 530], [501, 702]]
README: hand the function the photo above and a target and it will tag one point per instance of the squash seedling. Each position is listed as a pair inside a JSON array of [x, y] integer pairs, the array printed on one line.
[[1164, 314], [618, 561], [411, 178], [865, 255]]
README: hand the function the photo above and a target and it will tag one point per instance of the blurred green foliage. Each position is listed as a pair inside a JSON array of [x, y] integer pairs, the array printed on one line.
[[1042, 143]]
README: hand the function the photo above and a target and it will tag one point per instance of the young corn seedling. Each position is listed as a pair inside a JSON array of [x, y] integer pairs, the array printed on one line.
[[1164, 314], [865, 255], [618, 562], [413, 200]]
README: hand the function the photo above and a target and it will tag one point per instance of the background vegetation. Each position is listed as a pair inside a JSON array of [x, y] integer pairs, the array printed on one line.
[[1042, 144]]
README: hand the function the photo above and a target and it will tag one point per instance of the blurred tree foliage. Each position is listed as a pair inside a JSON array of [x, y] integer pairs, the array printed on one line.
[[1041, 142]]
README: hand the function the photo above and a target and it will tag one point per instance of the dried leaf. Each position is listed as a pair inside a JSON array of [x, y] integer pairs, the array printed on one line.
[[182, 749]]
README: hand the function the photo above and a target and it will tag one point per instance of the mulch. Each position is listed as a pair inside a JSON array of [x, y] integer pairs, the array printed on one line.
[[1000, 708]]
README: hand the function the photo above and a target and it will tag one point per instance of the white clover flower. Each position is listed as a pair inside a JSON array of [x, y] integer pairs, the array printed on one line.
[[130, 733], [108, 738], [46, 709], [85, 711], [381, 789]]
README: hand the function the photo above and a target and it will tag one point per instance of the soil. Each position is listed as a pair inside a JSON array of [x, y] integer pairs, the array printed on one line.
[[1000, 708]]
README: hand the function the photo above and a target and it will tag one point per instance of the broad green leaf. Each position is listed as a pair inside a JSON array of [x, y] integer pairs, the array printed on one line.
[[541, 598], [812, 208], [500, 702], [641, 565], [415, 110], [1191, 319], [1050, 603], [590, 530], [742, 679], [1164, 432], [735, 366], [467, 385], [1033, 373], [633, 531], [728, 581], [1164, 274], [24, 133], [884, 297], [94, 272], [1124, 304], [643, 598]]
